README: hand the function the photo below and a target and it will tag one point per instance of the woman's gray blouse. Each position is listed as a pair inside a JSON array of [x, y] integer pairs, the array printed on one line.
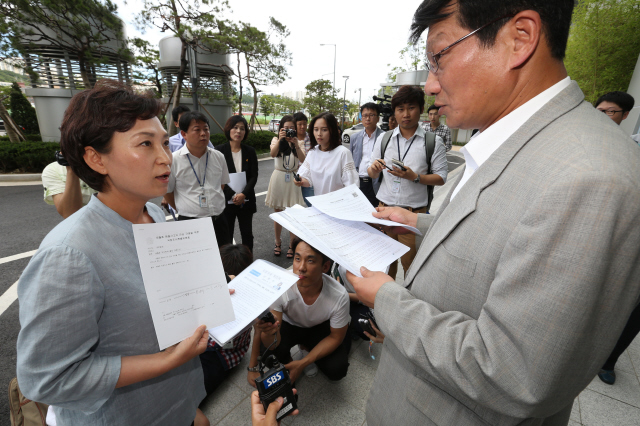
[[83, 306]]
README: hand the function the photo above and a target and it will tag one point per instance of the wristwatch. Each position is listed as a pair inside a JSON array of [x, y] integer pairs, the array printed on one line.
[[253, 369], [417, 179]]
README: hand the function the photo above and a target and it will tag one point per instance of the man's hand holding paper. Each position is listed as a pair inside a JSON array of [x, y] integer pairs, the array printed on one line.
[[399, 215]]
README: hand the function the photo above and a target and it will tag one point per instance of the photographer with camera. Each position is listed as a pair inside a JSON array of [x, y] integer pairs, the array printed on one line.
[[411, 161], [288, 153], [362, 146], [313, 314], [63, 188]]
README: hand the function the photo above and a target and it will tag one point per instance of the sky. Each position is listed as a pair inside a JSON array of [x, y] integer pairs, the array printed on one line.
[[368, 37]]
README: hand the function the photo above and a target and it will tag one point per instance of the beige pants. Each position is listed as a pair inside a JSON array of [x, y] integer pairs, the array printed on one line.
[[408, 240]]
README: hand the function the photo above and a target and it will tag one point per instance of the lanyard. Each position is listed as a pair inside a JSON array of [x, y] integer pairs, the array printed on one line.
[[205, 170], [408, 148], [286, 161]]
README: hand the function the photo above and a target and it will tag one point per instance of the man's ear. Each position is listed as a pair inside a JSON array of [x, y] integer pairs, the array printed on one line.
[[625, 115], [94, 160], [183, 134], [524, 31], [326, 266]]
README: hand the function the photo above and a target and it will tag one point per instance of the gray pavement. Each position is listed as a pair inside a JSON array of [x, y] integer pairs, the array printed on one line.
[[26, 219]]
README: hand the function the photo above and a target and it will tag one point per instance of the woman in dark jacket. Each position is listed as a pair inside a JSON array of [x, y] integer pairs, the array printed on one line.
[[240, 158]]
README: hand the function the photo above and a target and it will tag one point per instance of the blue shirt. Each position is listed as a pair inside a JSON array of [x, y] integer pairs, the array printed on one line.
[[83, 306], [177, 141]]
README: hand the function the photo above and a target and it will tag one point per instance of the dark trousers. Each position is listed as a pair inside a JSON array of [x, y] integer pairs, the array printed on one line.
[[219, 226], [366, 186], [358, 311], [334, 365], [245, 223], [629, 333], [213, 369]]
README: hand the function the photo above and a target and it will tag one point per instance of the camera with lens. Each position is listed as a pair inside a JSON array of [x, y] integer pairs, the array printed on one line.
[[274, 383], [385, 110], [290, 133]]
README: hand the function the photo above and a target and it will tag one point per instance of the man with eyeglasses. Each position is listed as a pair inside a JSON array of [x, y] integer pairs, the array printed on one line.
[[529, 271], [617, 106], [361, 147], [434, 126]]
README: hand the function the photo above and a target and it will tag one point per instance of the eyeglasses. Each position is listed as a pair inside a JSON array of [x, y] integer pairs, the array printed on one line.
[[610, 112], [369, 116], [432, 58]]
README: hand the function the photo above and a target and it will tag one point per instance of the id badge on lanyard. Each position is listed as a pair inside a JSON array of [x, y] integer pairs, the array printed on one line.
[[202, 199], [287, 177], [395, 184]]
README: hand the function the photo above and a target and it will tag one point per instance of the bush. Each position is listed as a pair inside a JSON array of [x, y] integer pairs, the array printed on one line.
[[30, 156], [22, 112], [260, 140]]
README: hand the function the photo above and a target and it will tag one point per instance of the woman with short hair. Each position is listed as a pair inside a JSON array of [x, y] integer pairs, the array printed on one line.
[[88, 344], [240, 157]]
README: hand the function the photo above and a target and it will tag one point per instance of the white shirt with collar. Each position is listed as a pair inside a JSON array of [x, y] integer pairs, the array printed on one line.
[[483, 145], [367, 147], [186, 189], [411, 194]]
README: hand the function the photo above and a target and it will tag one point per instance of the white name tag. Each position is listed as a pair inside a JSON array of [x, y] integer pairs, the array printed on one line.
[[202, 199], [287, 177]]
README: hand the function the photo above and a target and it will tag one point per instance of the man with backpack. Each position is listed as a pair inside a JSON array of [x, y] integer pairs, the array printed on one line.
[[410, 163]]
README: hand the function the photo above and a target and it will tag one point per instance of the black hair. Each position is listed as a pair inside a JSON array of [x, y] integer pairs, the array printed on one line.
[[299, 116], [372, 106], [325, 258], [432, 107], [472, 14], [408, 95], [624, 100], [177, 111], [188, 117], [334, 130], [235, 258], [286, 119], [231, 123]]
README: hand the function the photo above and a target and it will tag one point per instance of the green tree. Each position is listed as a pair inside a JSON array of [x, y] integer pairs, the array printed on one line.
[[412, 56], [146, 65], [267, 105], [321, 96], [22, 112], [603, 45], [81, 27], [193, 22]]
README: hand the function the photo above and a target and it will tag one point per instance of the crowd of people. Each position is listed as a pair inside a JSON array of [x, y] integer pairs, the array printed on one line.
[[520, 291]]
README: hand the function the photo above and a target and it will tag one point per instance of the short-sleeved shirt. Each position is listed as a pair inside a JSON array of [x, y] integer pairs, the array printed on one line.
[[177, 141], [413, 154], [332, 304], [186, 189], [54, 179], [84, 307], [328, 171]]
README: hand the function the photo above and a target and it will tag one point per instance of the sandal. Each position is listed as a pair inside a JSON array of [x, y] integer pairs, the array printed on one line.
[[277, 250], [290, 253]]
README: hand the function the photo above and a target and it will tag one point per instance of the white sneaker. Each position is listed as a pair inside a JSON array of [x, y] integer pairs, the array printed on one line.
[[310, 370]]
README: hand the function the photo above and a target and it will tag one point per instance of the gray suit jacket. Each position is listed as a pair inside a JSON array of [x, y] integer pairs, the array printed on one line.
[[523, 283], [356, 150]]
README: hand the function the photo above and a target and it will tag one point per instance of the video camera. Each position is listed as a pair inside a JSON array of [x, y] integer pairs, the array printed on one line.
[[274, 383], [385, 110]]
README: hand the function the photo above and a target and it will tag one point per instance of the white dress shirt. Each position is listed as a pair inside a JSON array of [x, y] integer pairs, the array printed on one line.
[[414, 156], [186, 189], [328, 171], [482, 145], [367, 147]]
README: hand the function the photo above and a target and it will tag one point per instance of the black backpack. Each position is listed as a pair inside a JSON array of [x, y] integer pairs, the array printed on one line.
[[429, 145]]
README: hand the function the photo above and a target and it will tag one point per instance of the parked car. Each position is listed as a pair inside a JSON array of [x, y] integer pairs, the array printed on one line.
[[346, 135], [273, 125]]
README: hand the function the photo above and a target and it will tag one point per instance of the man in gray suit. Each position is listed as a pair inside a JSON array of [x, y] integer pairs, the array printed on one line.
[[361, 147], [530, 269]]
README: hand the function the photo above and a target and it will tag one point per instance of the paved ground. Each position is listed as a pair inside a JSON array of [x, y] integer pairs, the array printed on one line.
[[26, 220]]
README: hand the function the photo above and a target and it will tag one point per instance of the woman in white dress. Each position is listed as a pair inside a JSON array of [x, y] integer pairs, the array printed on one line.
[[288, 153], [329, 165]]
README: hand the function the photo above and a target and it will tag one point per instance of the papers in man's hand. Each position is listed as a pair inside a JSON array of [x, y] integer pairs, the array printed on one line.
[[237, 182], [183, 278], [349, 243], [351, 204], [257, 288]]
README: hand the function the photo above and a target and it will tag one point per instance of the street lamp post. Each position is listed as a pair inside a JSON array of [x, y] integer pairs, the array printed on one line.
[[334, 63], [344, 100], [359, 96]]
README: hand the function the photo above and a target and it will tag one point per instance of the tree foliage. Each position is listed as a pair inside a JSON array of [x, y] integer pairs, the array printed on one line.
[[412, 56], [276, 104], [603, 45], [146, 64], [81, 27], [321, 96], [22, 112]]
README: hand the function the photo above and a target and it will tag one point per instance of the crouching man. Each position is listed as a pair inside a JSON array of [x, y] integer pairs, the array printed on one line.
[[313, 314]]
